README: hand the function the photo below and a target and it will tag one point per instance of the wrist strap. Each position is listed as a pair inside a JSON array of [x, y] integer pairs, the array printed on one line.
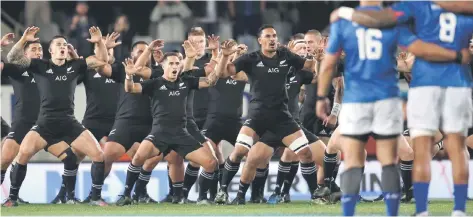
[[337, 107], [346, 13]]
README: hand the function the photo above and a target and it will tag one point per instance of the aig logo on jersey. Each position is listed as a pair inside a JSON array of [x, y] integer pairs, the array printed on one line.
[[231, 81], [174, 93], [273, 70], [61, 78]]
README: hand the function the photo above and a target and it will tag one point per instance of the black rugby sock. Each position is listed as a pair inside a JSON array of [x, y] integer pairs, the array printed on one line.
[[16, 179], [177, 186], [283, 170], [220, 172], [69, 179], [258, 182], [229, 171], [309, 172], [205, 181], [190, 178], [242, 189], [214, 186], [132, 174], [406, 174], [98, 171], [3, 175], [290, 177], [330, 163], [143, 180]]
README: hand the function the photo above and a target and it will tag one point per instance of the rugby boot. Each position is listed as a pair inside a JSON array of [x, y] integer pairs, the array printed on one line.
[[285, 198], [59, 199], [222, 197], [73, 201], [275, 198], [10, 203], [146, 199], [99, 202], [21, 201], [238, 201], [124, 200], [167, 199], [203, 202], [407, 197]]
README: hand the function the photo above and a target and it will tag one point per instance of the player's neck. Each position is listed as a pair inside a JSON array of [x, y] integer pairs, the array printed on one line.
[[58, 62], [269, 54], [169, 79]]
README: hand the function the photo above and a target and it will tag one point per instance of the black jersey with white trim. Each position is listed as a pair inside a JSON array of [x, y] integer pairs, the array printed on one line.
[[295, 80], [169, 100], [102, 96], [26, 93], [56, 86], [190, 98], [267, 77], [226, 98]]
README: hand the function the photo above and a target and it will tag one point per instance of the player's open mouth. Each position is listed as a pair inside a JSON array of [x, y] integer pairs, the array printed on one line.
[[174, 72], [63, 52], [272, 44]]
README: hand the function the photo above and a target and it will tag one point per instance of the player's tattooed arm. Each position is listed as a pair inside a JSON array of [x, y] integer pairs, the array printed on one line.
[[456, 6], [209, 81], [326, 74], [94, 63], [338, 86], [241, 76], [16, 55], [101, 50]]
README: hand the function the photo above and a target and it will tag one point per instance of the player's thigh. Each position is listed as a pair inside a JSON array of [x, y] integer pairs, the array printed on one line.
[[10, 149], [58, 149], [318, 151], [87, 144], [146, 150], [457, 110], [424, 108], [31, 144], [18, 131], [405, 151], [193, 151], [356, 118], [259, 153], [334, 142], [353, 151], [387, 119]]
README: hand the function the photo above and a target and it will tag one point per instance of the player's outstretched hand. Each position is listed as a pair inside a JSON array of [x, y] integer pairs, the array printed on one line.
[[323, 108], [213, 42], [228, 47], [466, 56], [156, 45], [30, 33], [72, 52], [330, 121], [130, 68], [7, 39], [242, 49], [189, 49], [111, 40], [95, 34]]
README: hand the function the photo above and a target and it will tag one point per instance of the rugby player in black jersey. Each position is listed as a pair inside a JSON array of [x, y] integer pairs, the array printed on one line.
[[267, 71], [224, 114], [133, 117], [168, 95], [102, 98], [260, 154], [56, 79]]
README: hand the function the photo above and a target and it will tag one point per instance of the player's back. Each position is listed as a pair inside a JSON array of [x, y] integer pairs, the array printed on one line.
[[446, 29], [370, 73]]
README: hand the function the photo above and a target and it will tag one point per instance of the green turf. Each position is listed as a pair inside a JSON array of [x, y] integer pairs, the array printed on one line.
[[296, 208]]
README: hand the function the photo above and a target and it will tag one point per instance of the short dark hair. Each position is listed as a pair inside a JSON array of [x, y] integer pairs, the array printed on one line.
[[170, 54], [263, 27], [298, 36], [31, 42], [56, 37], [197, 31], [313, 31], [138, 43]]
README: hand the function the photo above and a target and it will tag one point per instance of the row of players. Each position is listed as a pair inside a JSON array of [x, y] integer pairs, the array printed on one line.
[[248, 65]]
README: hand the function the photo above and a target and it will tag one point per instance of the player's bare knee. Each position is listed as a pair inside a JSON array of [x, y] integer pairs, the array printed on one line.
[[209, 164], [238, 153]]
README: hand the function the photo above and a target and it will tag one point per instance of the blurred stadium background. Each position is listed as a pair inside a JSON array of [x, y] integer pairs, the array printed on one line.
[[168, 20]]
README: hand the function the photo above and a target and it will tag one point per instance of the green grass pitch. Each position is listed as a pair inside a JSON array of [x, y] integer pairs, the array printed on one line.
[[439, 208]]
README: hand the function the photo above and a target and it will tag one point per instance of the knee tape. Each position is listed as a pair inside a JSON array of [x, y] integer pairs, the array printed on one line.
[[299, 144], [421, 132], [244, 140], [390, 180], [70, 162]]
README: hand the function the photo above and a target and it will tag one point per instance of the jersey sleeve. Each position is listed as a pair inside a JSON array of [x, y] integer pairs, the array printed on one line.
[[406, 37], [11, 70], [404, 11], [306, 76], [295, 60], [335, 39], [118, 73], [147, 87], [243, 63], [192, 82], [81, 65], [35, 65], [156, 72], [195, 73]]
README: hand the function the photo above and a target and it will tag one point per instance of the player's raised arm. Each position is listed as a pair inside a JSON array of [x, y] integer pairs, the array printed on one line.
[[16, 55], [456, 6], [130, 86], [142, 62], [213, 46], [205, 82], [191, 54], [229, 69], [101, 53]]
